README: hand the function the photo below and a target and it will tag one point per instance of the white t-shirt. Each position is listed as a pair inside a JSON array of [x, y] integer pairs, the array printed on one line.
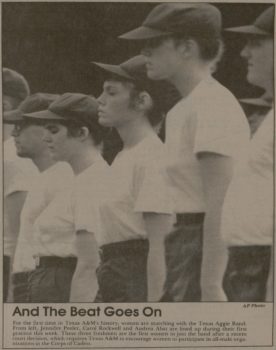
[[209, 119], [48, 184], [70, 211], [247, 217], [136, 184], [19, 174]]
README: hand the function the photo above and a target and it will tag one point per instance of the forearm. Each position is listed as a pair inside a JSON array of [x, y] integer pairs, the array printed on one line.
[[158, 226], [84, 285], [214, 259]]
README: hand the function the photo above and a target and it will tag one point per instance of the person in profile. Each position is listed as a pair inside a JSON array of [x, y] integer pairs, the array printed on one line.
[[247, 220]]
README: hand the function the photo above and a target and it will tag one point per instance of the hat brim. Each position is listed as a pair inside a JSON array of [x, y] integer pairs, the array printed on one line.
[[114, 69], [143, 33], [12, 117], [249, 30], [43, 115]]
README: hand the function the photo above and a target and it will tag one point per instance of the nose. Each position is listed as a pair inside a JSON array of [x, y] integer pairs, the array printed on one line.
[[100, 99], [46, 137], [245, 52]]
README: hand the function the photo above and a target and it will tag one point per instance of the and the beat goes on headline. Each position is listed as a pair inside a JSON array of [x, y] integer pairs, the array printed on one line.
[[92, 312]]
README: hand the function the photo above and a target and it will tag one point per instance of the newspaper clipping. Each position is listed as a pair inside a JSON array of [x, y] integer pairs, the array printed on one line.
[[138, 175]]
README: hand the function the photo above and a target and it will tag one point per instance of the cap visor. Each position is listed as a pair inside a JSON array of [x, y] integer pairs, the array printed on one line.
[[12, 117], [143, 33], [46, 115], [113, 69], [256, 102], [250, 29]]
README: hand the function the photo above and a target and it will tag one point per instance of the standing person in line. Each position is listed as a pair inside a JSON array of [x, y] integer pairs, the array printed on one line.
[[17, 172], [206, 135], [247, 221], [50, 178], [66, 227], [135, 216]]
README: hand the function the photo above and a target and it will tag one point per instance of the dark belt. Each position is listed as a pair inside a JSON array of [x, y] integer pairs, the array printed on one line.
[[124, 248], [190, 218], [50, 261]]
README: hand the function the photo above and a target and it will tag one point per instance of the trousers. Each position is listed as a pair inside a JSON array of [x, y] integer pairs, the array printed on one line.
[[50, 282], [122, 273], [246, 273], [183, 254]]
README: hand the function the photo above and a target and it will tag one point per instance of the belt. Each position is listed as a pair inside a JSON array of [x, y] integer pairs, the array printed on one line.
[[50, 261], [190, 218], [124, 248]]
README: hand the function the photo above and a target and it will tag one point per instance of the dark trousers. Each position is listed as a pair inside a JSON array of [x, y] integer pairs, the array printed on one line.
[[183, 253], [20, 287], [50, 282], [6, 276], [122, 273], [246, 273]]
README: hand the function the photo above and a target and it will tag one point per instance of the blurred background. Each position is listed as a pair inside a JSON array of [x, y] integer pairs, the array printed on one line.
[[52, 44]]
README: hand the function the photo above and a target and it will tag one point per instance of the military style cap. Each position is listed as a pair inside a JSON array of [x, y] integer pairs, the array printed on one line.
[[178, 18], [33, 103], [132, 69], [14, 84], [263, 25], [69, 107]]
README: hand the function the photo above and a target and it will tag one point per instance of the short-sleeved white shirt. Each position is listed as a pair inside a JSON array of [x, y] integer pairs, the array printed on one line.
[[70, 211], [19, 174], [247, 217], [209, 119], [136, 184], [48, 184]]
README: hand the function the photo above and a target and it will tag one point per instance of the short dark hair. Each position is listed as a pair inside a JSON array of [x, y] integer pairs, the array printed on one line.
[[96, 131], [153, 88], [211, 47]]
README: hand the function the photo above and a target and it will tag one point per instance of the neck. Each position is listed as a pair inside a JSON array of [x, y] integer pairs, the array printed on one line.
[[134, 131], [83, 158], [189, 77], [43, 162]]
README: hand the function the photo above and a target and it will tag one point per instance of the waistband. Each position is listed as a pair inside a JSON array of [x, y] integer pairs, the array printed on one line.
[[190, 218], [124, 248], [50, 261]]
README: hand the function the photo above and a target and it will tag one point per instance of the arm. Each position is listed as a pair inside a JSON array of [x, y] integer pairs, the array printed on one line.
[[157, 226], [13, 205], [84, 283], [216, 172]]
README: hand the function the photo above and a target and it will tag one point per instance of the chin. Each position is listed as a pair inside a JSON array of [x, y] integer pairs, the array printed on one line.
[[153, 75], [104, 122]]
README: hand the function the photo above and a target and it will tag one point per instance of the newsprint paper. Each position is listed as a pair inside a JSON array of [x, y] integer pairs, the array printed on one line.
[[52, 45]]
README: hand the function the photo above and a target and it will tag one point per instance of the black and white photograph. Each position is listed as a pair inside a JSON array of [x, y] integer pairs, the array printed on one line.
[[138, 152]]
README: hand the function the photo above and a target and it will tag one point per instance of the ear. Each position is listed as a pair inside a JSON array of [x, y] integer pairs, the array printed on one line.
[[83, 133], [144, 101], [187, 47]]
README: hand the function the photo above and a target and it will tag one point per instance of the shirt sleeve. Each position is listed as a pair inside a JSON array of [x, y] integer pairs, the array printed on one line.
[[14, 179], [85, 210], [221, 127], [150, 188]]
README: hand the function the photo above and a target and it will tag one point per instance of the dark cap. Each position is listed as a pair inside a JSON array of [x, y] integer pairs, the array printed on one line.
[[69, 107], [14, 84], [132, 69], [178, 18], [33, 103], [263, 25]]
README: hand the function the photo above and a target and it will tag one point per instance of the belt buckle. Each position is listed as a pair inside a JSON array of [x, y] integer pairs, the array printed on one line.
[[37, 260]]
